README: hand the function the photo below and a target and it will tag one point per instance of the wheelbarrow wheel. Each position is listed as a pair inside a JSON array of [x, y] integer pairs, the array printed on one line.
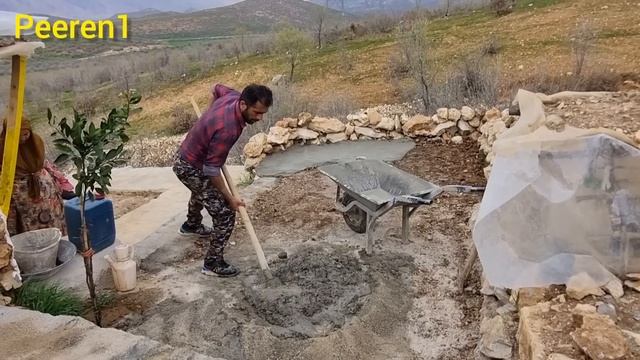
[[355, 217]]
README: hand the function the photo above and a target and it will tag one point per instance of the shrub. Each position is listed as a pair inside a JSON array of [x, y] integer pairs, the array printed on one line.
[[182, 119]]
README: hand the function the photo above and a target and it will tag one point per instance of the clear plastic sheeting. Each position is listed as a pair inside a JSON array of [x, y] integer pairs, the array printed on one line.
[[559, 204]]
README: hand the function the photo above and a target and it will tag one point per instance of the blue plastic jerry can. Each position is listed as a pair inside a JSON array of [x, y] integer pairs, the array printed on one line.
[[100, 222]]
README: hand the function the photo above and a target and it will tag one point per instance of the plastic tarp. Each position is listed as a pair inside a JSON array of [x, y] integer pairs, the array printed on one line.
[[559, 204]]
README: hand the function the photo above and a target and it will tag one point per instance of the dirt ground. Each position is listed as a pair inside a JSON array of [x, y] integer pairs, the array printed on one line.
[[329, 299], [126, 201]]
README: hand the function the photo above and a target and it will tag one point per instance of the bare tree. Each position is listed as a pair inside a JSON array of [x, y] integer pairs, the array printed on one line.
[[320, 22], [242, 32], [291, 42], [581, 43], [448, 8], [414, 48]]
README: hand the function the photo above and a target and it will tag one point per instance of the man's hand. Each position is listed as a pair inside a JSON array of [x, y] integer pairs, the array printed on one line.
[[236, 203]]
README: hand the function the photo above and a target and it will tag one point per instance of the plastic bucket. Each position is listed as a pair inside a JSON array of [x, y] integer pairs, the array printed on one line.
[[36, 250]]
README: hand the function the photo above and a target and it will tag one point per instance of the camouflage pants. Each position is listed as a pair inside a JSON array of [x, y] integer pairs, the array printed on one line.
[[203, 194]]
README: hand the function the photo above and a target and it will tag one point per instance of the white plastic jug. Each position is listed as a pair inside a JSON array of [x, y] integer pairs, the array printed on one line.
[[123, 267]]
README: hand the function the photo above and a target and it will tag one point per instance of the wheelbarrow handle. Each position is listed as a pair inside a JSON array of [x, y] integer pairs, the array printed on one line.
[[461, 188], [416, 199]]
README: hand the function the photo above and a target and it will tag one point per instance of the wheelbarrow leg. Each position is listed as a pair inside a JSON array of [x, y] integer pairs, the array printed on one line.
[[405, 223], [371, 227]]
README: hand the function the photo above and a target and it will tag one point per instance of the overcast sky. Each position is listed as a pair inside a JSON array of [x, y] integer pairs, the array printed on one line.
[[104, 8]]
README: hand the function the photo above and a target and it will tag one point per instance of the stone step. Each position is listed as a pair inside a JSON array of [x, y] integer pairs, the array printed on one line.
[[28, 334]]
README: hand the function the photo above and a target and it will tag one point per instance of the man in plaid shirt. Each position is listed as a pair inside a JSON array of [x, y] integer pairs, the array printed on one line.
[[199, 162]]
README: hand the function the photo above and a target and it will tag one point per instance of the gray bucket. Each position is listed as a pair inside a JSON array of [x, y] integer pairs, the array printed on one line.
[[36, 250]]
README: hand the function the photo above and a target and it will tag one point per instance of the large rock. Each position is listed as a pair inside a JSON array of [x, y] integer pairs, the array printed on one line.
[[475, 135], [440, 129], [282, 123], [443, 115], [532, 324], [475, 122], [304, 118], [251, 163], [368, 132], [278, 135], [495, 342], [600, 338], [614, 288], [256, 144], [454, 114], [304, 134], [582, 285], [398, 122], [492, 130], [416, 123], [326, 125], [386, 123], [457, 140], [492, 114], [467, 113], [404, 118], [349, 129], [374, 117], [5, 255], [337, 137], [531, 296], [291, 122], [353, 137], [359, 119], [396, 135], [464, 127]]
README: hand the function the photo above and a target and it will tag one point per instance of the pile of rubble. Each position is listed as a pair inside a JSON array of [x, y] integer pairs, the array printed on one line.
[[383, 122], [153, 152], [562, 323], [580, 320]]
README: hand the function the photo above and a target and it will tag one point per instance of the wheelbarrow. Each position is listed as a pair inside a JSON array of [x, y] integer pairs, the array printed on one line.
[[368, 189]]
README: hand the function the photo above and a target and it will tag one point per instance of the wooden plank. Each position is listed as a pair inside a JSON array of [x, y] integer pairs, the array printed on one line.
[[14, 121]]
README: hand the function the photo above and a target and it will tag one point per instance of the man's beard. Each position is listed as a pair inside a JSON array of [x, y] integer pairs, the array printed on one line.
[[247, 119]]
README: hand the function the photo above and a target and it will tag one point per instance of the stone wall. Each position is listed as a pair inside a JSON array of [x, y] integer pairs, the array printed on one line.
[[379, 123]]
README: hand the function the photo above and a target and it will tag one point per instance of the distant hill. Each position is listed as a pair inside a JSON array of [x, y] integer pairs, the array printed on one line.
[[146, 12], [369, 6], [256, 16]]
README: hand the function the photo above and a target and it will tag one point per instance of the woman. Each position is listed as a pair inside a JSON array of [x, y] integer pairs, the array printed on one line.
[[36, 202]]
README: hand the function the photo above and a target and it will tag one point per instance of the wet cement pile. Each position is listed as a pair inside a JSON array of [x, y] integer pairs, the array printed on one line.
[[314, 292]]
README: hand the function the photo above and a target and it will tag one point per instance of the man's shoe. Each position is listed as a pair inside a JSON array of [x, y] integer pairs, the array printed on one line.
[[199, 231], [221, 269]]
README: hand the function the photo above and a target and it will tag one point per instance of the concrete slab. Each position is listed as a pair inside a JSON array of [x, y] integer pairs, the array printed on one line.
[[304, 157], [30, 334]]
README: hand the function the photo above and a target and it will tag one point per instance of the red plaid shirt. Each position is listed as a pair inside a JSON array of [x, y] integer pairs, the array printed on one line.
[[209, 141]]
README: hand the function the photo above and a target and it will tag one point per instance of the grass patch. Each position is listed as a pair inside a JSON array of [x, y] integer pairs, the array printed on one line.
[[524, 4], [49, 298]]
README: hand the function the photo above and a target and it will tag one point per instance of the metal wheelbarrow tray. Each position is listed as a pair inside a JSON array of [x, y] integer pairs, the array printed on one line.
[[372, 188]]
